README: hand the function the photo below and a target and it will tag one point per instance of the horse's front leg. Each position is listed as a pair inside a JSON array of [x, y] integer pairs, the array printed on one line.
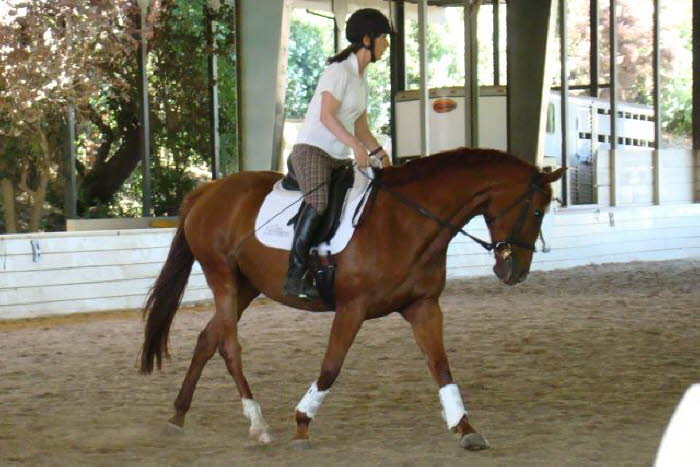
[[346, 324], [425, 317]]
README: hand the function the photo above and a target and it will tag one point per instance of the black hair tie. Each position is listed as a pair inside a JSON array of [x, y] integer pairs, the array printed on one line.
[[376, 151]]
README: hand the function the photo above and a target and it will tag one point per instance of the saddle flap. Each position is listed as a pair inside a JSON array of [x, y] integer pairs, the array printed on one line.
[[342, 180], [272, 225], [289, 181]]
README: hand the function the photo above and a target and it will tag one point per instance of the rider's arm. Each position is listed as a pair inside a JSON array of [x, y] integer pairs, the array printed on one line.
[[329, 107], [364, 134]]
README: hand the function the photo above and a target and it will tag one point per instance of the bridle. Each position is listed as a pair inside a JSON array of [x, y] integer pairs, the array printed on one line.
[[503, 247]]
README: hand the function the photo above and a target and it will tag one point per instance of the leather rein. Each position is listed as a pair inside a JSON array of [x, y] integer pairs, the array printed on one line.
[[526, 197]]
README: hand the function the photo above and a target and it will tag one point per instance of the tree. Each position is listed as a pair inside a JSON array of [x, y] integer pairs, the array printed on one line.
[[442, 58], [180, 101], [635, 49], [108, 133], [310, 44], [52, 55], [179, 116], [309, 47]]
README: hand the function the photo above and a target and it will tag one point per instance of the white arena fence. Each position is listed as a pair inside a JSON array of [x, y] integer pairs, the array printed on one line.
[[70, 272]]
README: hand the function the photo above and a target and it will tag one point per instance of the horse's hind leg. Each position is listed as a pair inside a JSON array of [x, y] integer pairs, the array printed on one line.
[[206, 346], [220, 280], [230, 350]]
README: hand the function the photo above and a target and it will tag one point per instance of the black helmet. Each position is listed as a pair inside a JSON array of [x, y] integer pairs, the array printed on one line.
[[366, 21]]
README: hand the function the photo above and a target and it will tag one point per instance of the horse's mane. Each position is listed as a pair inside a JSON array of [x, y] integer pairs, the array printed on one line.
[[448, 160]]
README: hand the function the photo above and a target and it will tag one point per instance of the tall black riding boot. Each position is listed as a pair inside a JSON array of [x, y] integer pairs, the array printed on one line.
[[296, 286]]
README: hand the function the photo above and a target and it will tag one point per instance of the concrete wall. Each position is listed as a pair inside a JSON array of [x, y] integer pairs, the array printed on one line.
[[262, 70], [531, 27]]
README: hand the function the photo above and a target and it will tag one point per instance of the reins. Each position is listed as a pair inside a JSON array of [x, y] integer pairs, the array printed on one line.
[[488, 246]]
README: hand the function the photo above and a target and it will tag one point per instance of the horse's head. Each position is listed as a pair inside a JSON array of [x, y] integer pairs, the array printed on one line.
[[514, 217]]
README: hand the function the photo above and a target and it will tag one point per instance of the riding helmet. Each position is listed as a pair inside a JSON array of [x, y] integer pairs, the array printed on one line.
[[366, 21]]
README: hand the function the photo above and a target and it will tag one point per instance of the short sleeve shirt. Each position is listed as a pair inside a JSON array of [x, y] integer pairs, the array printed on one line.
[[347, 86]]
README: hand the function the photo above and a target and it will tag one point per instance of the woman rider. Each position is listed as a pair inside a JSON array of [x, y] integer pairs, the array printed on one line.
[[335, 123]]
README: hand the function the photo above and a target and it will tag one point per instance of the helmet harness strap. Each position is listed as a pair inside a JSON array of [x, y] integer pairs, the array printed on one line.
[[370, 47]]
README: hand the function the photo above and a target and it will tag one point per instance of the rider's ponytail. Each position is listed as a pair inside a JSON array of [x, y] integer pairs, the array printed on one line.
[[352, 48]]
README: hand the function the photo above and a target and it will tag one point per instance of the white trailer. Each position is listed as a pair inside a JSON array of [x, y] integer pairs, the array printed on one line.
[[588, 129]]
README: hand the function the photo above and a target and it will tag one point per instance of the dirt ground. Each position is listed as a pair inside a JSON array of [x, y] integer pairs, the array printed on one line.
[[574, 367]]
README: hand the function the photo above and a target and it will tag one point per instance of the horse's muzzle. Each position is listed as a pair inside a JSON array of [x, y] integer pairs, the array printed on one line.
[[508, 270]]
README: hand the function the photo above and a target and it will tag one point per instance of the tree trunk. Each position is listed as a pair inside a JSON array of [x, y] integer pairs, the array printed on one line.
[[8, 205], [107, 177], [38, 200], [39, 196]]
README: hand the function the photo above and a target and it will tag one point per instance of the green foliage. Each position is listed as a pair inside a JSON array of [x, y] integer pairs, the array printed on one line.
[[635, 43], [442, 59], [309, 47], [379, 102], [677, 107], [310, 44], [180, 102]]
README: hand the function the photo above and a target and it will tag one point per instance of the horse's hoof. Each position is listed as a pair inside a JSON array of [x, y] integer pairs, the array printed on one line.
[[172, 429], [261, 435], [301, 444], [473, 442]]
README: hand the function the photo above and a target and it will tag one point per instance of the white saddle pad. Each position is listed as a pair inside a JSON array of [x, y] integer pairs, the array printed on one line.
[[281, 205]]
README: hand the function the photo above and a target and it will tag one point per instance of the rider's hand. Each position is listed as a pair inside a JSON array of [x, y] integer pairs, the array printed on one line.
[[361, 156]]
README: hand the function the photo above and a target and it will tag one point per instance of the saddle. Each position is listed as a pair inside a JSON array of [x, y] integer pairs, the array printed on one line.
[[342, 179], [322, 266]]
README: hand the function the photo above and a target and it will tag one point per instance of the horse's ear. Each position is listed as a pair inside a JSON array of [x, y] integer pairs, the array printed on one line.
[[549, 177]]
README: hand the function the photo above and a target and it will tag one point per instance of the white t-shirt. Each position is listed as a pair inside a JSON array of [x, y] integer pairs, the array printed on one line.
[[680, 445], [343, 81]]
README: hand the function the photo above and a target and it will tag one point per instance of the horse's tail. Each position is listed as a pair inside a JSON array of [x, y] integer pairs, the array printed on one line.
[[165, 295]]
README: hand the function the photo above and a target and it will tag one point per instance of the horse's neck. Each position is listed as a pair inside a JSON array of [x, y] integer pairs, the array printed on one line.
[[453, 198]]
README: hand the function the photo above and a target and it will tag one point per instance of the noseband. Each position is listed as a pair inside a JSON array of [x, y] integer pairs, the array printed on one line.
[[502, 247]]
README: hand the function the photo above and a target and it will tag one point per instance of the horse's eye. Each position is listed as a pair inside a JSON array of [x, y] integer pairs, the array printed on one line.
[[538, 213]]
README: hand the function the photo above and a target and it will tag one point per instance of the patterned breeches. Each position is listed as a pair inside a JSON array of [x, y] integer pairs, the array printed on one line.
[[313, 168]]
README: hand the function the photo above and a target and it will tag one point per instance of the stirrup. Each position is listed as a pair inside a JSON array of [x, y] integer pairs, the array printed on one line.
[[308, 290], [300, 287]]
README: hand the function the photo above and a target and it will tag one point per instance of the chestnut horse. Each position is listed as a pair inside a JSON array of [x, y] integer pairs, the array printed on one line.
[[424, 203]]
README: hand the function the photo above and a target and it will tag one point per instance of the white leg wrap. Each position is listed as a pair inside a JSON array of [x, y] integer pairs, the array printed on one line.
[[452, 406], [258, 426], [311, 401]]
